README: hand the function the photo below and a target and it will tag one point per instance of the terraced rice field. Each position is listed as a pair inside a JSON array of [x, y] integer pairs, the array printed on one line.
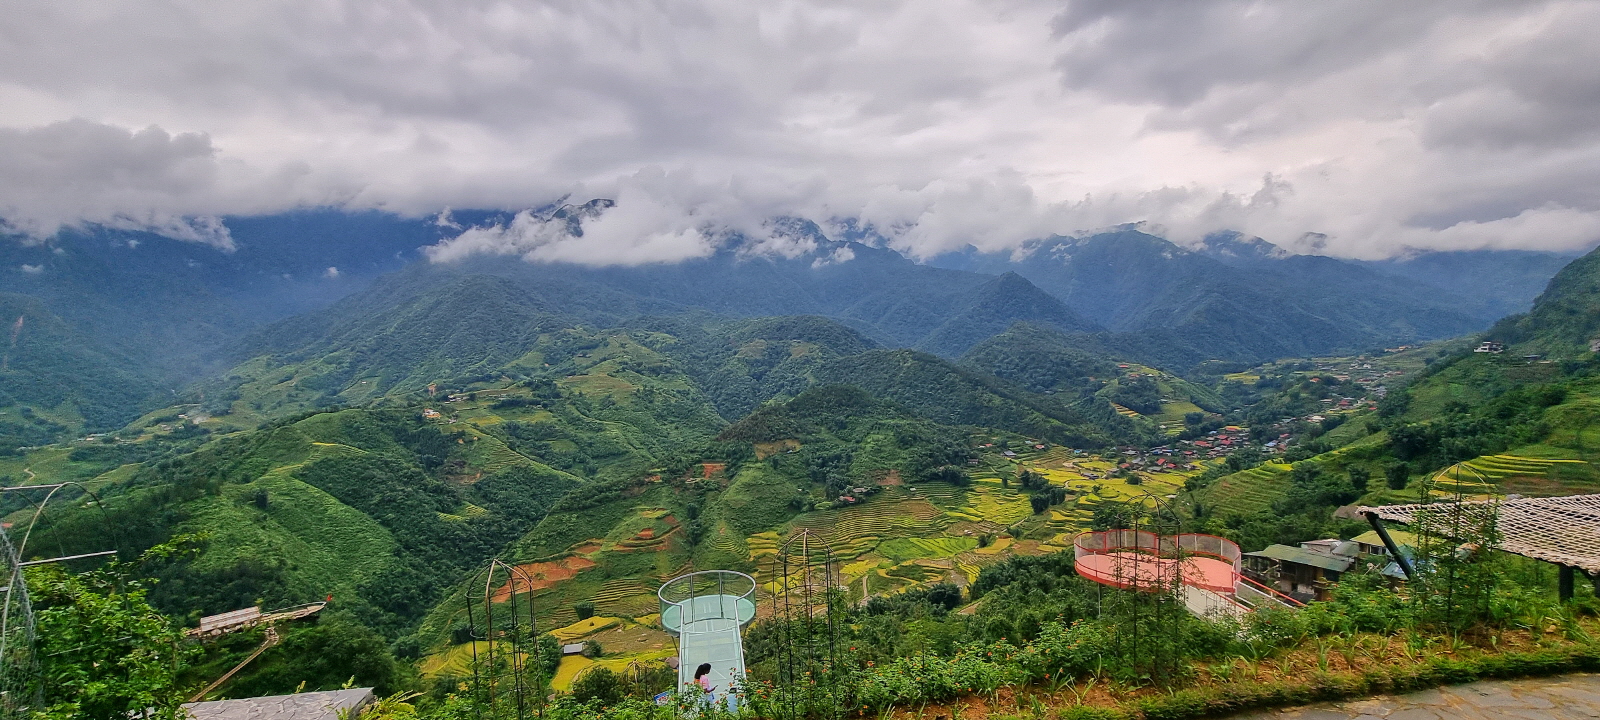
[[997, 547], [993, 506], [456, 661], [574, 665], [1483, 475], [626, 597], [585, 628], [762, 544], [944, 496], [1497, 467], [1253, 490], [903, 549], [726, 540], [854, 531]]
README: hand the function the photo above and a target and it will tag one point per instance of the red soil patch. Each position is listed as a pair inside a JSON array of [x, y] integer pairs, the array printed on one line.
[[646, 534], [639, 544], [892, 478], [712, 468], [589, 547], [542, 575]]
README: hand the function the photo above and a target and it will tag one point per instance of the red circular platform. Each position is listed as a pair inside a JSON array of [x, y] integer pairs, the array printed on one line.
[[1147, 572]]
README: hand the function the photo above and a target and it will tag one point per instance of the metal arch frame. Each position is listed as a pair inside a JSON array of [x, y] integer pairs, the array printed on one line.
[[797, 653], [1447, 527], [17, 659], [1164, 586], [16, 589], [40, 506], [484, 676]]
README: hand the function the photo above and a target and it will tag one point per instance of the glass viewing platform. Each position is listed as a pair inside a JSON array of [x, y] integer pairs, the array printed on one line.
[[706, 611]]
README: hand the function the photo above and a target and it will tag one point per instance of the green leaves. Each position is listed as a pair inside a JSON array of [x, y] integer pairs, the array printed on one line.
[[105, 653]]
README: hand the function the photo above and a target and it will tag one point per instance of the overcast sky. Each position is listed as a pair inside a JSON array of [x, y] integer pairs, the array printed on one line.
[[1382, 126]]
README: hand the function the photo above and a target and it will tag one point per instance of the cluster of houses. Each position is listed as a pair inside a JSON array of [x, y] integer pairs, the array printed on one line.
[[1215, 444], [1157, 458], [1306, 572]]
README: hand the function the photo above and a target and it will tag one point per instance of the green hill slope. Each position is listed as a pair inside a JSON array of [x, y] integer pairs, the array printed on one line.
[[378, 508], [1564, 319], [951, 394], [54, 380]]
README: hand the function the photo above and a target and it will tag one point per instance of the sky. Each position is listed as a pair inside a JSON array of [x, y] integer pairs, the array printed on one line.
[[1354, 129]]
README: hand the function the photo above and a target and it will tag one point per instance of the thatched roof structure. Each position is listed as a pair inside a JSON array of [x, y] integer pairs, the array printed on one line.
[[1561, 530]]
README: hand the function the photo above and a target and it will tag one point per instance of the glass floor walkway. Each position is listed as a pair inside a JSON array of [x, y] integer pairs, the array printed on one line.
[[707, 612]]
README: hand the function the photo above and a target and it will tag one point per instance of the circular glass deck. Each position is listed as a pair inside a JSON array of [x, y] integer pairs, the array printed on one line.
[[707, 602]]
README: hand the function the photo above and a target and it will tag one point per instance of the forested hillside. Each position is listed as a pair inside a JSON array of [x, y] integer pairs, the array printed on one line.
[[55, 379], [1516, 413], [1177, 307], [607, 429], [178, 313]]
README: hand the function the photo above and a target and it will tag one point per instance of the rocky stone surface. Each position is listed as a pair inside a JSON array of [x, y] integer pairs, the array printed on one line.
[[303, 706], [1566, 697]]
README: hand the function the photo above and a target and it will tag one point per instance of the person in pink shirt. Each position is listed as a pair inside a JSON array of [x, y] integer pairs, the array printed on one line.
[[702, 677]]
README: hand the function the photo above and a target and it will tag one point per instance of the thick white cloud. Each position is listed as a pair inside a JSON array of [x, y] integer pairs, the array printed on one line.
[[942, 122]]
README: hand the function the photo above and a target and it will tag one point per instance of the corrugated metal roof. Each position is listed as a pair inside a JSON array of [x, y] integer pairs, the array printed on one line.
[[1304, 557]]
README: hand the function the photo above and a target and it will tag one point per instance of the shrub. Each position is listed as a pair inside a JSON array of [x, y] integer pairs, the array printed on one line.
[[1397, 475], [598, 685]]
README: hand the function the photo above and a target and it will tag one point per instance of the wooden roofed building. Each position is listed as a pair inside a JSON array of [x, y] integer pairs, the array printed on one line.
[[1564, 530]]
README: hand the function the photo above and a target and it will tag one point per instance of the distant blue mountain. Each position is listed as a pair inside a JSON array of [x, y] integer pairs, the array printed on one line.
[[160, 313]]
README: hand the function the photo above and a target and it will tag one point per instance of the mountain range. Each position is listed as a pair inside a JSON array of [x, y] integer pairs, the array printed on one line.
[[378, 431], [135, 318]]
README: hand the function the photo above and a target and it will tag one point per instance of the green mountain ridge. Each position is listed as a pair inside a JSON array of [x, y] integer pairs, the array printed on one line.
[[54, 380]]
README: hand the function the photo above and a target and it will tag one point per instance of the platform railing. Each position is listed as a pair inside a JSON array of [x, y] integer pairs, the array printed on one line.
[[687, 601], [1253, 592], [1100, 542], [1161, 550]]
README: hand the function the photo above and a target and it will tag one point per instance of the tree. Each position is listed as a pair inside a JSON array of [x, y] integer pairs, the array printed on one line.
[[1359, 476], [323, 656], [584, 609], [548, 651], [106, 654], [599, 684], [1397, 475], [1112, 515]]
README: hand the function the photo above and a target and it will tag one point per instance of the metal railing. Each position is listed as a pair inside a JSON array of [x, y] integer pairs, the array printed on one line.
[[1102, 542], [691, 603]]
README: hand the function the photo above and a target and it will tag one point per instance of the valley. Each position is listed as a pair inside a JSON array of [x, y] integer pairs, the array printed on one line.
[[604, 466], [603, 437]]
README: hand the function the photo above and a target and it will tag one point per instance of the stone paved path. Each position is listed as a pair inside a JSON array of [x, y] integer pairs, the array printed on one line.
[[1565, 697]]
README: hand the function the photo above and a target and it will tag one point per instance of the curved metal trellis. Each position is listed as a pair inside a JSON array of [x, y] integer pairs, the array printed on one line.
[[1149, 623], [19, 668], [813, 674], [508, 674], [20, 689]]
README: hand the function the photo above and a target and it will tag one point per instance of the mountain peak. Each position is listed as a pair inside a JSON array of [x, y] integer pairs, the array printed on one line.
[[1232, 246]]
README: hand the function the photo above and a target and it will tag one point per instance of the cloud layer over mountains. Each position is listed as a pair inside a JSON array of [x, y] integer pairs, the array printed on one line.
[[1349, 128]]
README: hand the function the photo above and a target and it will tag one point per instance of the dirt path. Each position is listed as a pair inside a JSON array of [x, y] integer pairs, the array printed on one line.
[[1564, 697]]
